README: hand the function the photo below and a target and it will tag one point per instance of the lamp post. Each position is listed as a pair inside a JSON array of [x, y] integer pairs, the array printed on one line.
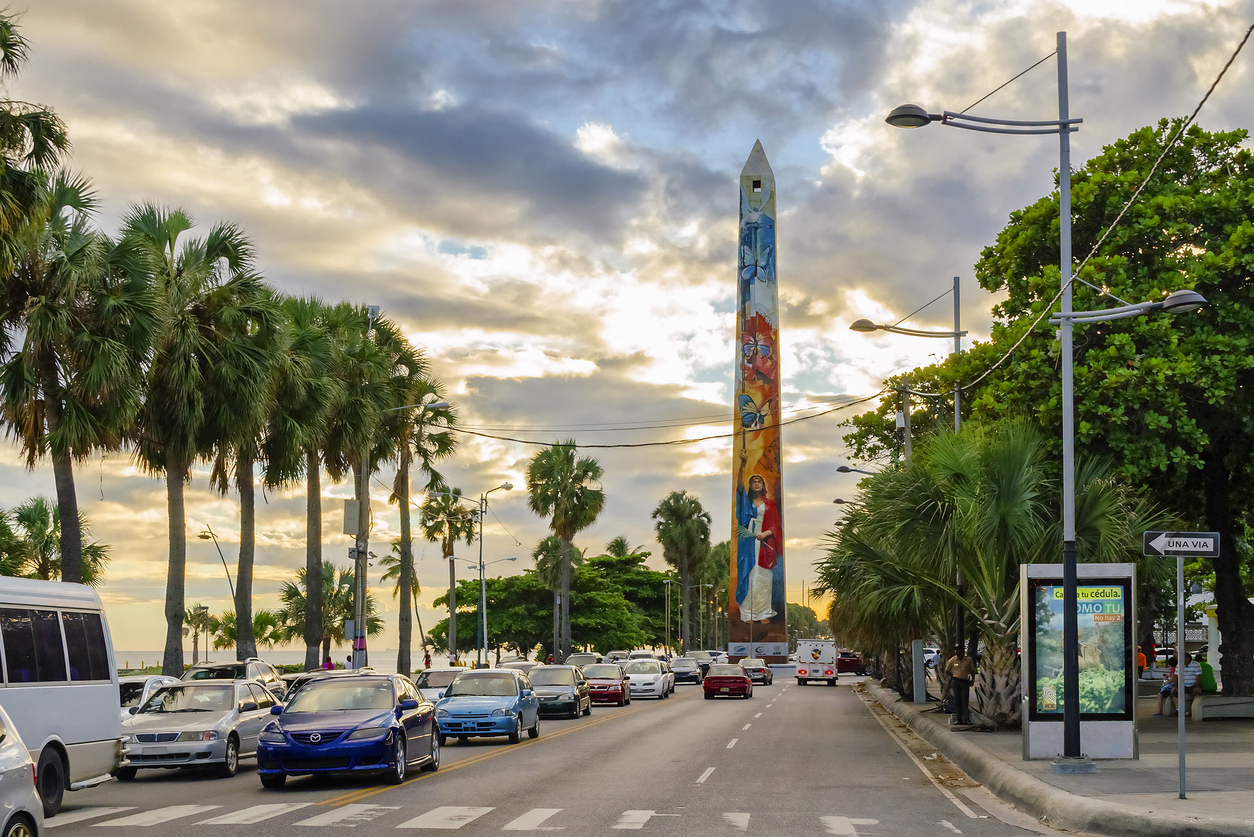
[[483, 604], [208, 534], [666, 586], [701, 612], [483, 594], [361, 548]]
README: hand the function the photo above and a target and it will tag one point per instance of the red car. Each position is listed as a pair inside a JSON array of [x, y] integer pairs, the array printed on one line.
[[850, 662], [607, 683], [727, 680]]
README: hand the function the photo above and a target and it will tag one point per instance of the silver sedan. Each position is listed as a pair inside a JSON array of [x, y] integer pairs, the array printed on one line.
[[198, 723]]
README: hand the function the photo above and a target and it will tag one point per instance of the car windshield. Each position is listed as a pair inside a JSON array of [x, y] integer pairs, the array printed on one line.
[[602, 672], [435, 678], [642, 667], [725, 671], [216, 673], [556, 676], [581, 659], [483, 685], [699, 655], [206, 698], [131, 693], [343, 695], [683, 662]]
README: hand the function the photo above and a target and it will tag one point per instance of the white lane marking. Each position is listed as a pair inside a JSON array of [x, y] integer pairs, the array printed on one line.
[[531, 820], [740, 821], [732, 743], [446, 817], [256, 813], [71, 817], [745, 727], [157, 816], [844, 825], [759, 715], [950, 826], [709, 771], [902, 744], [349, 815], [633, 819]]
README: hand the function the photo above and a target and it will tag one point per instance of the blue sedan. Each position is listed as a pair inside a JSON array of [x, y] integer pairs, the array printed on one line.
[[489, 702], [370, 723]]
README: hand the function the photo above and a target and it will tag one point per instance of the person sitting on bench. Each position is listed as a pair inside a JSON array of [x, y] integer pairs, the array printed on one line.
[[1187, 680]]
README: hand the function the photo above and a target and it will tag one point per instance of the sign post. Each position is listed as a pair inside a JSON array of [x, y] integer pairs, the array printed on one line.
[[1179, 545]]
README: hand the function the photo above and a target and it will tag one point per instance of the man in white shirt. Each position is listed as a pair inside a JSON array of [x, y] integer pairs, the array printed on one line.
[[1187, 679]]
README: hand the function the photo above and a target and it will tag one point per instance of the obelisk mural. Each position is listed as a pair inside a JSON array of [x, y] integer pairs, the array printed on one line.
[[759, 625]]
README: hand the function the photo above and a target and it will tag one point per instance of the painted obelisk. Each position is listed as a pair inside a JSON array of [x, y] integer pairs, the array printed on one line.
[[759, 625]]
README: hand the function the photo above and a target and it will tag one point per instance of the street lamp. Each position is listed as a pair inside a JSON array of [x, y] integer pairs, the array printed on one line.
[[667, 582], [838, 501], [483, 602], [361, 546], [483, 594], [845, 469], [701, 612], [208, 534]]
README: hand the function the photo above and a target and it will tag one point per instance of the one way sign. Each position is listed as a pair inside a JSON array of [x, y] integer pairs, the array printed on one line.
[[1188, 544]]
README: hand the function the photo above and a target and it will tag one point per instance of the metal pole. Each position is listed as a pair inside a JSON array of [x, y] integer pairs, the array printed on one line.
[[905, 412], [1070, 616], [361, 564], [1180, 696], [957, 351], [483, 590], [452, 606]]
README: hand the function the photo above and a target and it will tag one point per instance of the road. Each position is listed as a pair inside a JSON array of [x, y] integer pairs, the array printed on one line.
[[792, 760]]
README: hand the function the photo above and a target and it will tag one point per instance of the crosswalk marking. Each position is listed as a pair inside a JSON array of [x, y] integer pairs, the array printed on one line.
[[156, 816], [844, 825], [71, 817], [349, 815], [740, 821], [446, 817], [256, 813], [531, 821]]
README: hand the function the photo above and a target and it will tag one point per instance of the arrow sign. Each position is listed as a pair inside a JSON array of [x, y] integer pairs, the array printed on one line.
[[1188, 544]]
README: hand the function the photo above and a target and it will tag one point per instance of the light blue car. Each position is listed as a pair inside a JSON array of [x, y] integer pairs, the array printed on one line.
[[488, 702]]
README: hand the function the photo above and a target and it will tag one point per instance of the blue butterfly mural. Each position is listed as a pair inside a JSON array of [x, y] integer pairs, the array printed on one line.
[[757, 263], [754, 346], [753, 417]]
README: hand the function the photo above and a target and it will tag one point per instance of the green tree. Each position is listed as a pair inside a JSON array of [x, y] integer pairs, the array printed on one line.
[[806, 623], [548, 558], [83, 312], [643, 588], [1167, 398], [392, 571], [199, 621], [444, 520], [35, 549], [337, 607], [567, 490], [683, 530], [267, 630]]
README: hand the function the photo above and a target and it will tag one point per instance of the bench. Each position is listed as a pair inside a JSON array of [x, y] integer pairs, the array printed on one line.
[[1207, 707]]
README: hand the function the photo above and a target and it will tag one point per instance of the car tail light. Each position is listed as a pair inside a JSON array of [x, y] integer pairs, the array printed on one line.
[[801, 671], [829, 671]]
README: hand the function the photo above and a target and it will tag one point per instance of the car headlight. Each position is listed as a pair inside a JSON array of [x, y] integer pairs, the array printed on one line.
[[368, 734], [272, 738], [499, 711], [441, 713], [207, 735]]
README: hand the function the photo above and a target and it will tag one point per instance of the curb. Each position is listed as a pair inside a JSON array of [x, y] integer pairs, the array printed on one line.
[[1053, 806]]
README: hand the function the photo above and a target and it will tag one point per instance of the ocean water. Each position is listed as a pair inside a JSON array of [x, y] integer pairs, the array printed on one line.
[[382, 660]]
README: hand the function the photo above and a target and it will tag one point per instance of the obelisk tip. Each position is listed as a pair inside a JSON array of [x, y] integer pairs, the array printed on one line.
[[757, 163]]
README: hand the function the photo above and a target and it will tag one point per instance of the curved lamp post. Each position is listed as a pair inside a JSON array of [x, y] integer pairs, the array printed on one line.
[[845, 469], [207, 534]]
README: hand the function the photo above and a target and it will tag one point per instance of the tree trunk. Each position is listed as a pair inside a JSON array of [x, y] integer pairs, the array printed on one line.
[[361, 570], [452, 599], [1235, 613], [172, 659], [996, 701], [326, 647], [195, 646], [557, 622], [313, 561], [565, 648], [405, 625], [683, 609], [63, 477], [245, 642]]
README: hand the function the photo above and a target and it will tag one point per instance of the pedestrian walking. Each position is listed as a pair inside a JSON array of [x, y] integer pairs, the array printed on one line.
[[327, 665], [961, 671], [426, 659], [1140, 662]]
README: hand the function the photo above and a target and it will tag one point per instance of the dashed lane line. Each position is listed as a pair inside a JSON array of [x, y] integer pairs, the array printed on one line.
[[709, 771], [745, 727], [732, 743]]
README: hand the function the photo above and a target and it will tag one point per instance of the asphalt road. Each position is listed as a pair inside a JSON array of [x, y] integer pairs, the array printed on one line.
[[791, 761]]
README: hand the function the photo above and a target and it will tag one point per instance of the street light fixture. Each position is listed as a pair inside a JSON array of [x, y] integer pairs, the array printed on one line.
[[845, 469], [208, 534], [667, 582], [701, 612]]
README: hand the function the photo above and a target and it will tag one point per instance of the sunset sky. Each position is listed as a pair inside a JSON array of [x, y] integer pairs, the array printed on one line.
[[544, 196]]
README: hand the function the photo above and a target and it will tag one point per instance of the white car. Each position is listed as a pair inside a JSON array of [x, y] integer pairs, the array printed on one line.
[[433, 681], [649, 678], [642, 655], [136, 689], [931, 656], [21, 810]]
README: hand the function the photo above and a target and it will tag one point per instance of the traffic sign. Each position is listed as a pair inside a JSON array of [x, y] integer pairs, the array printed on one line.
[[1187, 544]]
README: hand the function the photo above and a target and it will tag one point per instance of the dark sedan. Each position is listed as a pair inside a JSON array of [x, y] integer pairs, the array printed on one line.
[[687, 670], [850, 662], [371, 723], [727, 680], [607, 683], [562, 691]]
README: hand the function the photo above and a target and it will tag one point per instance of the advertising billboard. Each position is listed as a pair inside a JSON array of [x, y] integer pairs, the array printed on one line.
[[1107, 649]]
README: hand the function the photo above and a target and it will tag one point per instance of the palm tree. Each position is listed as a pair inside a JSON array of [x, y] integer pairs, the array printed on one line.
[[307, 391], [420, 436], [337, 601], [444, 520], [83, 311], [567, 490], [267, 627], [683, 530], [548, 558], [199, 621], [37, 544], [394, 564], [210, 305]]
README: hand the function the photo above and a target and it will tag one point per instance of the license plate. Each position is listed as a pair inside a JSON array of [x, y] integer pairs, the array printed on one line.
[[724, 689]]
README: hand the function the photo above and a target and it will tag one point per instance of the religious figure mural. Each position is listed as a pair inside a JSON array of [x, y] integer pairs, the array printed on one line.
[[759, 613]]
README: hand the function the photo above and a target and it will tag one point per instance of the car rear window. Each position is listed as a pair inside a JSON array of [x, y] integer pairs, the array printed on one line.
[[725, 670], [557, 676], [643, 667], [602, 672], [436, 678], [684, 663]]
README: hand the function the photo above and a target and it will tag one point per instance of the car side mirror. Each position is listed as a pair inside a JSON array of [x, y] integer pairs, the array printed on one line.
[[526, 693], [408, 704], [248, 706], [133, 710], [277, 709]]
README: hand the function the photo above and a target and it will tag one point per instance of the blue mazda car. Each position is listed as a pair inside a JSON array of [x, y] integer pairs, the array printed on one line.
[[369, 723], [489, 702]]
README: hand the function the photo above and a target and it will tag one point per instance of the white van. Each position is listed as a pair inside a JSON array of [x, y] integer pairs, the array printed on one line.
[[60, 684]]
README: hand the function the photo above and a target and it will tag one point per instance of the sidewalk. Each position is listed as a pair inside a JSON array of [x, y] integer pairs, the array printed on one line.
[[1125, 796]]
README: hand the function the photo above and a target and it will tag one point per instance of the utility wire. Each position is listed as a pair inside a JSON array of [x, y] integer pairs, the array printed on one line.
[[1007, 84], [921, 307]]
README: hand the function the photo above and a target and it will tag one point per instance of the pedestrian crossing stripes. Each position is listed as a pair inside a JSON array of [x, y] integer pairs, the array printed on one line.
[[443, 818]]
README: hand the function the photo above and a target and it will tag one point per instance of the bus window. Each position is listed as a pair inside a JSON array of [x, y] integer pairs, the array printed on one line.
[[32, 646], [85, 642]]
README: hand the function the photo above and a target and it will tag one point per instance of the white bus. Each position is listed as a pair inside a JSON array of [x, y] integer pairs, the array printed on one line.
[[60, 684]]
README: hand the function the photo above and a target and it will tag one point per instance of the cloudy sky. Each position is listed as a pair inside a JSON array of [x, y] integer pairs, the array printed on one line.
[[544, 195]]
